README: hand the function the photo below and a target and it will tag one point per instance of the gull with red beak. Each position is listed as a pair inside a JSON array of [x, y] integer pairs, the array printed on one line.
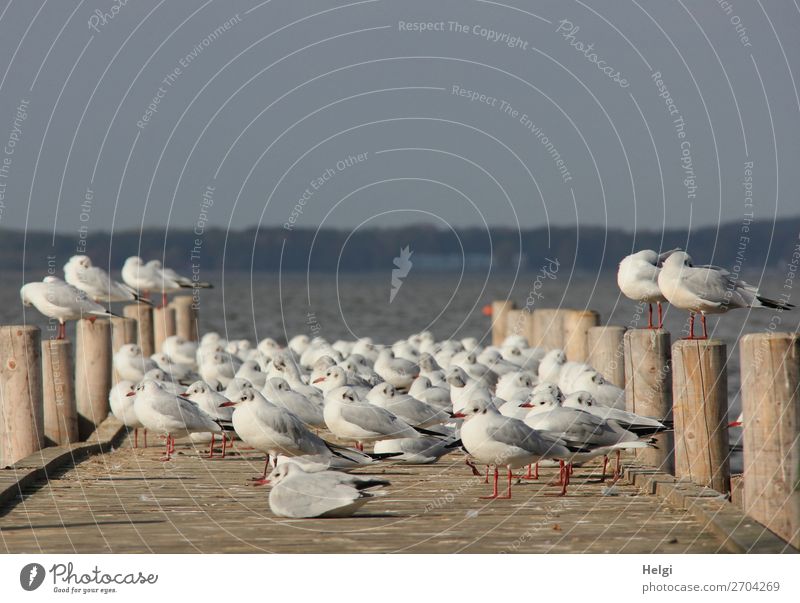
[[162, 412], [272, 429], [492, 439]]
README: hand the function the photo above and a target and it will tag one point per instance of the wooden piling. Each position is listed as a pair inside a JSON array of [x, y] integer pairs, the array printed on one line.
[[607, 352], [186, 317], [648, 389], [575, 325], [123, 331], [143, 315], [500, 320], [92, 373], [771, 405], [163, 325], [518, 322], [546, 328], [700, 408], [21, 408], [58, 388]]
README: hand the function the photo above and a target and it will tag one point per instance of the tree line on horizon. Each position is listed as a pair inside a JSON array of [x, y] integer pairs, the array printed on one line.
[[750, 246]]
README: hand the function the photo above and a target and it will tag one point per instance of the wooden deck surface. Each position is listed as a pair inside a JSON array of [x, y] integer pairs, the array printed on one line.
[[127, 501]]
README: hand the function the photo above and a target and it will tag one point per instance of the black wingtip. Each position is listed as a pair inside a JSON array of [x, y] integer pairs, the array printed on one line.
[[773, 304], [430, 433]]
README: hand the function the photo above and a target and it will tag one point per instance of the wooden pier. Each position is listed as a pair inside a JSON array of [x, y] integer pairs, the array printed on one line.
[[127, 501], [101, 495]]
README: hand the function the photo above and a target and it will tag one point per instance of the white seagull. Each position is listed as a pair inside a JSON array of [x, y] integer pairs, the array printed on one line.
[[172, 415], [96, 282], [56, 299], [122, 408], [637, 278], [708, 290], [297, 494]]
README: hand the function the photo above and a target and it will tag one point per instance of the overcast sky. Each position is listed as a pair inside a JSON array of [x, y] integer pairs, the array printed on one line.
[[234, 113]]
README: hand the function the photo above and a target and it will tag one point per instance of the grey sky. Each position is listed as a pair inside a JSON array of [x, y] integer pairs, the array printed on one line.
[[284, 92]]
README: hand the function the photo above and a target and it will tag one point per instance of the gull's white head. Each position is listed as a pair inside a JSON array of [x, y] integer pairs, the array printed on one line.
[[475, 408]]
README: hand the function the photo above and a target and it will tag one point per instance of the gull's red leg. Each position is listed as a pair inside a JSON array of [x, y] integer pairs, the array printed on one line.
[[617, 468], [691, 326], [163, 300], [649, 316], [211, 448], [605, 464], [703, 320], [145, 438], [536, 471], [135, 437], [508, 490], [223, 444], [494, 491], [486, 481], [660, 316], [260, 481]]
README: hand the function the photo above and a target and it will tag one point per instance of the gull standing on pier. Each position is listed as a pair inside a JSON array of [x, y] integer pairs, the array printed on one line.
[[122, 408], [708, 290], [131, 363], [172, 415], [637, 278], [492, 439], [59, 300]]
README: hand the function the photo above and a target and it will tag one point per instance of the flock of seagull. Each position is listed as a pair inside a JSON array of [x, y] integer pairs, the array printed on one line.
[[508, 407]]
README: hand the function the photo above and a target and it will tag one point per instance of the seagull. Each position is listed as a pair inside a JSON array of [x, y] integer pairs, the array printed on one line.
[[409, 409], [142, 278], [463, 389], [637, 278], [591, 435], [349, 418], [251, 370], [96, 282], [438, 397], [131, 364], [170, 281], [183, 373], [181, 350], [56, 299], [512, 385], [336, 377], [493, 439], [605, 393], [172, 415], [272, 429], [278, 391], [708, 290], [400, 372], [422, 450], [210, 401], [298, 494], [122, 408], [583, 400]]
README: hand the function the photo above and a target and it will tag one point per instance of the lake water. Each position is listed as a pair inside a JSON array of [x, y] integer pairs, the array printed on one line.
[[353, 305]]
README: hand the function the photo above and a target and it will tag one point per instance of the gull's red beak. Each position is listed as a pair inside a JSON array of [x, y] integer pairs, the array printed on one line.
[[227, 404], [526, 405], [735, 424], [318, 379], [458, 415], [129, 394], [184, 394], [487, 310]]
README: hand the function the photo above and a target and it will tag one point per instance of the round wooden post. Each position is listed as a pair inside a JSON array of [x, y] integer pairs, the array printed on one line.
[[700, 391], [518, 323], [143, 315], [546, 328], [163, 325], [500, 320], [607, 352], [21, 409], [771, 406], [648, 389], [575, 325], [92, 373], [123, 331], [60, 410], [187, 321]]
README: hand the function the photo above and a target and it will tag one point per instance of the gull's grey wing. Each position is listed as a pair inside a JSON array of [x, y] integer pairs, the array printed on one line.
[[373, 418]]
